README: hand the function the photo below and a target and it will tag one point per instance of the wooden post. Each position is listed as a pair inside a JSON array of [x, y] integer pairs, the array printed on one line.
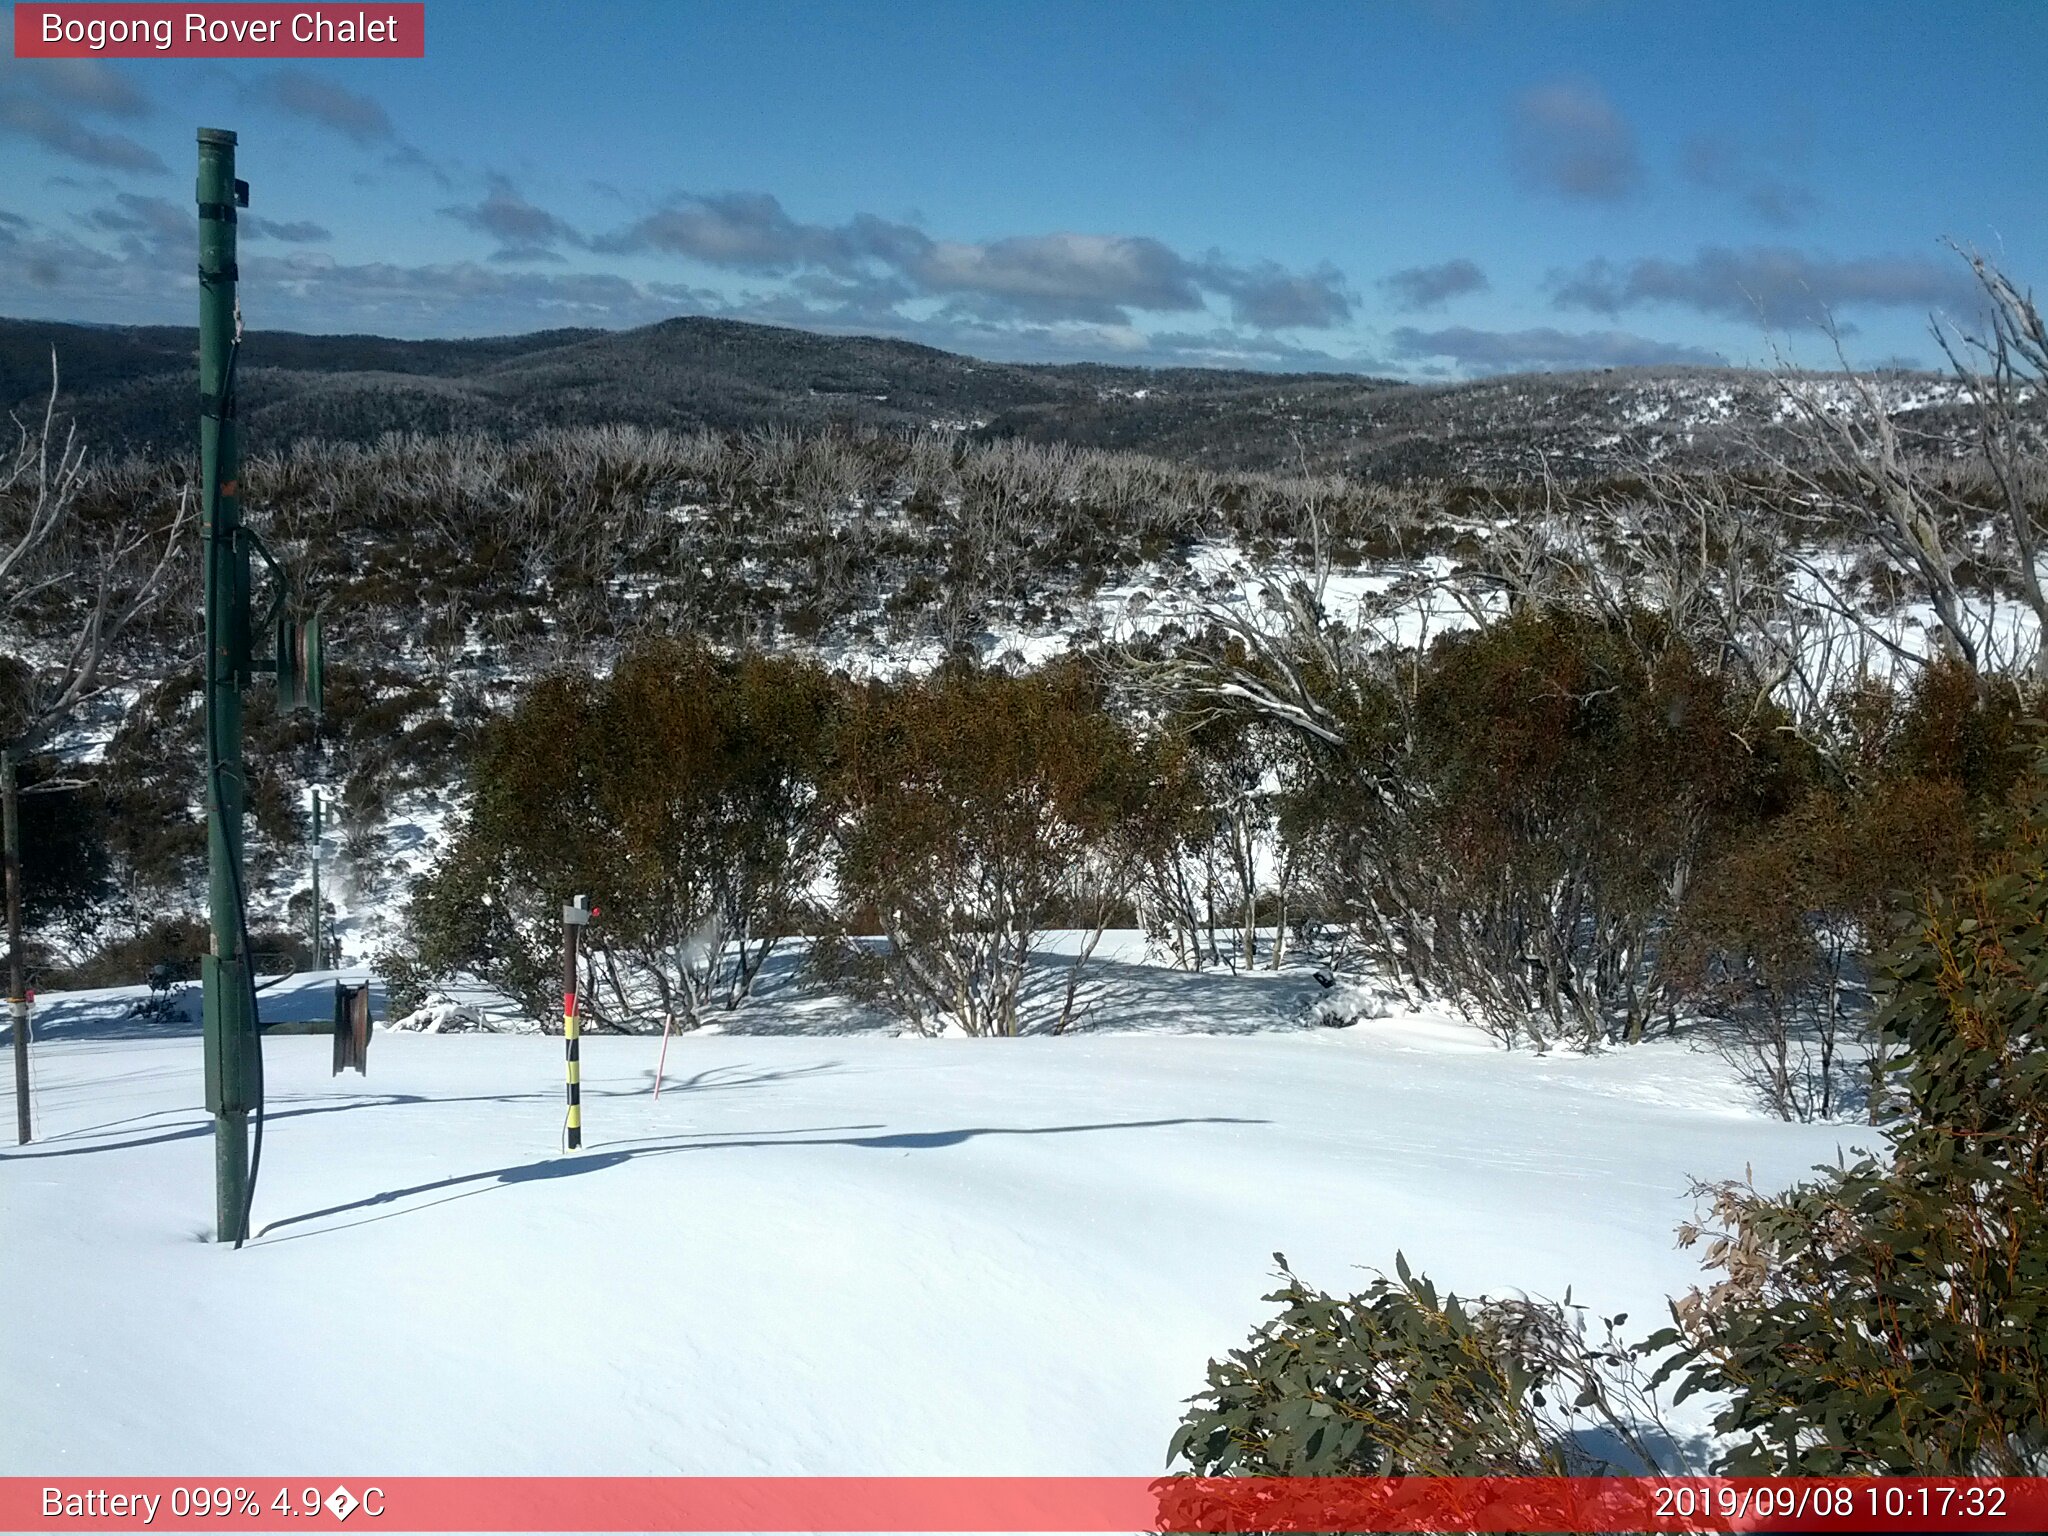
[[17, 988], [661, 1063]]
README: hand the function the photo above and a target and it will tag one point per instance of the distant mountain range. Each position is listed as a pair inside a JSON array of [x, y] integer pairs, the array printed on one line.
[[133, 389]]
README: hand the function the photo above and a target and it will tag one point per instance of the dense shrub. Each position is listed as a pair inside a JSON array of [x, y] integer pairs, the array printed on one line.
[[153, 782], [1774, 939], [154, 779], [1892, 1316], [1220, 869], [1887, 1318], [973, 810], [680, 794], [177, 941], [1776, 935], [66, 867], [1513, 815]]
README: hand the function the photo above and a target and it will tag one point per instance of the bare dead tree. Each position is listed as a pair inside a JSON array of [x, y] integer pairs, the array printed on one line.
[[1863, 483], [1698, 558], [2004, 372], [1861, 475], [103, 582]]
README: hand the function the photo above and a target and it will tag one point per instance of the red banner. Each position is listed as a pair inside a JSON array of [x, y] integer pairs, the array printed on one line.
[[259, 31], [970, 1504]]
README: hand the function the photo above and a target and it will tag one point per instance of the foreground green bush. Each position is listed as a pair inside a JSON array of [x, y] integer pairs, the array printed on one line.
[[1398, 1381]]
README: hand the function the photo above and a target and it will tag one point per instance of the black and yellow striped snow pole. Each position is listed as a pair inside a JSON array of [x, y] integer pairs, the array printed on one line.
[[575, 917]]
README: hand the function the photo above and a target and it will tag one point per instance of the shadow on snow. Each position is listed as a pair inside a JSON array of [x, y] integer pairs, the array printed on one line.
[[711, 1080], [596, 1161]]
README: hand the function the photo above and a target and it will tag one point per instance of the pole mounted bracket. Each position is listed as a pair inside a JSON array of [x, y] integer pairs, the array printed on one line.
[[254, 541], [296, 659]]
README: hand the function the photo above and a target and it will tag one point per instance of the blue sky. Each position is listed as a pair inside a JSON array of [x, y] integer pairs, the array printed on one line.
[[1427, 189]]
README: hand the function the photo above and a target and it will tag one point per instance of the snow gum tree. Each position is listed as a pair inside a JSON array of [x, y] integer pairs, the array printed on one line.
[[1510, 819], [1778, 931], [1201, 895], [87, 562], [712, 789], [973, 811], [681, 793]]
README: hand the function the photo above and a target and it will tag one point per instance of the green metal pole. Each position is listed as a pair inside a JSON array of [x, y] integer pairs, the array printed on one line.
[[230, 1028]]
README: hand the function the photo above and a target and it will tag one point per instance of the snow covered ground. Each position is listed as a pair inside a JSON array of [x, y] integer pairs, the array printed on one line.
[[815, 1253]]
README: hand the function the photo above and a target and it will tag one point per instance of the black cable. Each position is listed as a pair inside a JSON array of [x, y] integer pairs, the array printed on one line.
[[255, 1038], [224, 409], [255, 1028]]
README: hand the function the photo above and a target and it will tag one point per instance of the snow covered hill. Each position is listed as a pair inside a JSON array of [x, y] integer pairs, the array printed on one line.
[[130, 387], [813, 1254]]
